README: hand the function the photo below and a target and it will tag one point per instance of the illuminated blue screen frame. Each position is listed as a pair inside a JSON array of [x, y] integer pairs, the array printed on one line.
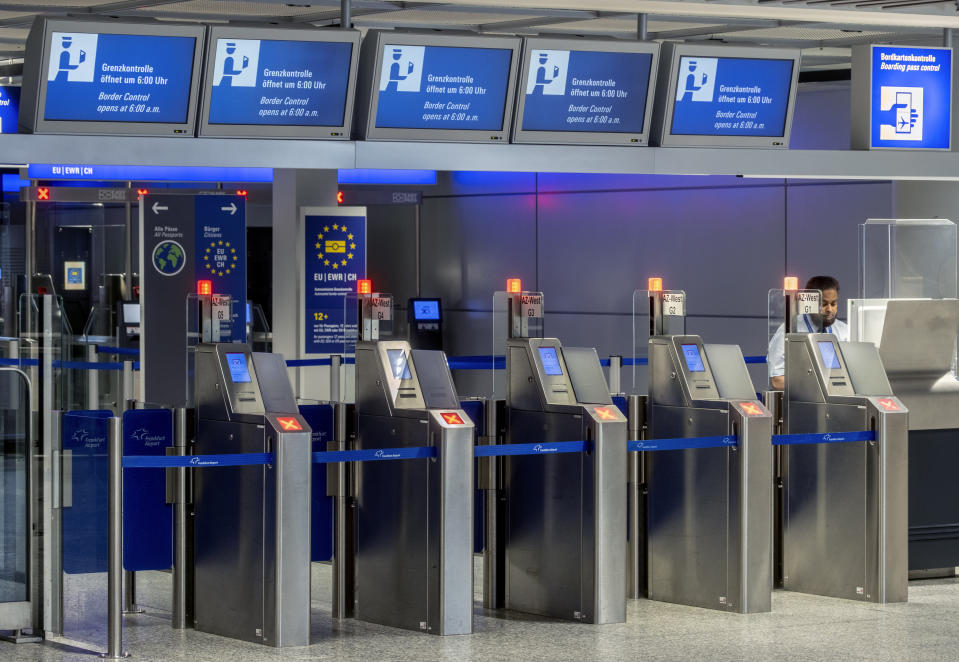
[[37, 61], [426, 309], [371, 61], [339, 131], [532, 44], [669, 67]]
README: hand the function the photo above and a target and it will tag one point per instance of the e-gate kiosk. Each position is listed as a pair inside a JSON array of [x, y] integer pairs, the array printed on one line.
[[251, 523], [709, 531], [414, 518], [566, 525], [845, 503]]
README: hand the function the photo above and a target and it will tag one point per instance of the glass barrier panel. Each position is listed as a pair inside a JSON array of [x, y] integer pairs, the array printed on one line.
[[14, 480], [907, 259], [526, 319], [674, 323]]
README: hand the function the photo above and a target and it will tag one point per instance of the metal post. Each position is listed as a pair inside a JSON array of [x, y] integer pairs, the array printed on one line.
[[635, 482], [615, 370], [335, 391], [948, 35], [338, 478], [642, 26], [93, 380], [115, 570], [180, 618], [346, 17], [128, 248], [494, 562]]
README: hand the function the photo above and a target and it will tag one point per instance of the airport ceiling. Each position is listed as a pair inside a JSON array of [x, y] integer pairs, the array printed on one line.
[[824, 29]]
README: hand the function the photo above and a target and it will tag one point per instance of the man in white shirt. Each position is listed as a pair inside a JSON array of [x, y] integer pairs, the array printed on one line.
[[776, 356]]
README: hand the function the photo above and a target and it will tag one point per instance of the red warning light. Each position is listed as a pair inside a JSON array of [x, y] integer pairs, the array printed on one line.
[[43, 193], [204, 287], [339, 197], [514, 285], [791, 284], [452, 418], [289, 424], [142, 191], [655, 285], [242, 191], [364, 286], [606, 413], [751, 409]]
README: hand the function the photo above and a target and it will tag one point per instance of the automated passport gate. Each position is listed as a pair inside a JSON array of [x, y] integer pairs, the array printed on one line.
[[845, 505], [252, 523], [566, 526], [414, 519], [710, 507]]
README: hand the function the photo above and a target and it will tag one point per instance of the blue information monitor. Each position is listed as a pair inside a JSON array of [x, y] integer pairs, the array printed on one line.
[[285, 83], [426, 309], [910, 97], [587, 91], [442, 87], [731, 96], [119, 78], [9, 108]]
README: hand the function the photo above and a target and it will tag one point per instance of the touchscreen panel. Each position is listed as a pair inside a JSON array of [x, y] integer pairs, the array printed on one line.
[[551, 366], [399, 363], [239, 371], [428, 309], [828, 353], [694, 360]]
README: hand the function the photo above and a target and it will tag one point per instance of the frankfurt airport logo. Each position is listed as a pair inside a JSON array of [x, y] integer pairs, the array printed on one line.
[[235, 62], [697, 79], [402, 69], [900, 112], [336, 246], [72, 57], [547, 73]]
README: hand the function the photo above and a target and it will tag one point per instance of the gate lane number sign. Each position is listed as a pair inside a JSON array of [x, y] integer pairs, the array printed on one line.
[[901, 97]]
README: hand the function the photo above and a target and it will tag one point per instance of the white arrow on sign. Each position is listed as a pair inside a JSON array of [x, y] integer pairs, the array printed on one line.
[[157, 208], [231, 208]]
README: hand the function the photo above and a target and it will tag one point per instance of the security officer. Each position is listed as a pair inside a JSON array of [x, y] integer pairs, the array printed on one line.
[[776, 356]]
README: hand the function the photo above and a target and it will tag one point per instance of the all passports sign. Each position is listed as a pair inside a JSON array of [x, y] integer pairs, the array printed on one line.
[[901, 98]]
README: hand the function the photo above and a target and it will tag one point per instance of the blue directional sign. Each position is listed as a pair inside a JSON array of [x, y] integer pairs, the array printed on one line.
[[586, 91], [220, 226], [280, 83], [910, 97], [443, 87], [9, 108], [335, 250], [731, 96], [119, 77]]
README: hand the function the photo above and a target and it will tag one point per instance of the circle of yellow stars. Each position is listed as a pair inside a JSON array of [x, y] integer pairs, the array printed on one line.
[[331, 247], [209, 261]]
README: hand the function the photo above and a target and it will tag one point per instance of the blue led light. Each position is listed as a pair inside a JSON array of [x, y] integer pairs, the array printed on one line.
[[70, 171], [395, 177], [12, 183]]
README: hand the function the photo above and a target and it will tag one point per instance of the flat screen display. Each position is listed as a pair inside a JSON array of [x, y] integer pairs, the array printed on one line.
[[442, 87], [399, 363], [828, 353], [588, 91], [694, 360], [9, 108], [119, 77], [551, 365], [131, 313], [239, 371], [426, 309], [731, 96], [280, 83]]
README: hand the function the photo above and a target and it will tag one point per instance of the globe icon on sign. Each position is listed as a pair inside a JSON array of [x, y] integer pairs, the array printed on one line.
[[169, 258]]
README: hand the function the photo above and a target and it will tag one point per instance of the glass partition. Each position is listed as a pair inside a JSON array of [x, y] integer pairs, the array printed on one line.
[[907, 259], [15, 459], [674, 323], [529, 323]]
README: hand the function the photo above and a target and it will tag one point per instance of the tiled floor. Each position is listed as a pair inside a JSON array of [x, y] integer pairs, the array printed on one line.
[[800, 627]]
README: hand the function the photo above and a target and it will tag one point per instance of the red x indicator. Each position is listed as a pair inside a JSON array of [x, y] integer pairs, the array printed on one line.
[[43, 193], [888, 404], [751, 409], [289, 424], [606, 414], [452, 418]]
